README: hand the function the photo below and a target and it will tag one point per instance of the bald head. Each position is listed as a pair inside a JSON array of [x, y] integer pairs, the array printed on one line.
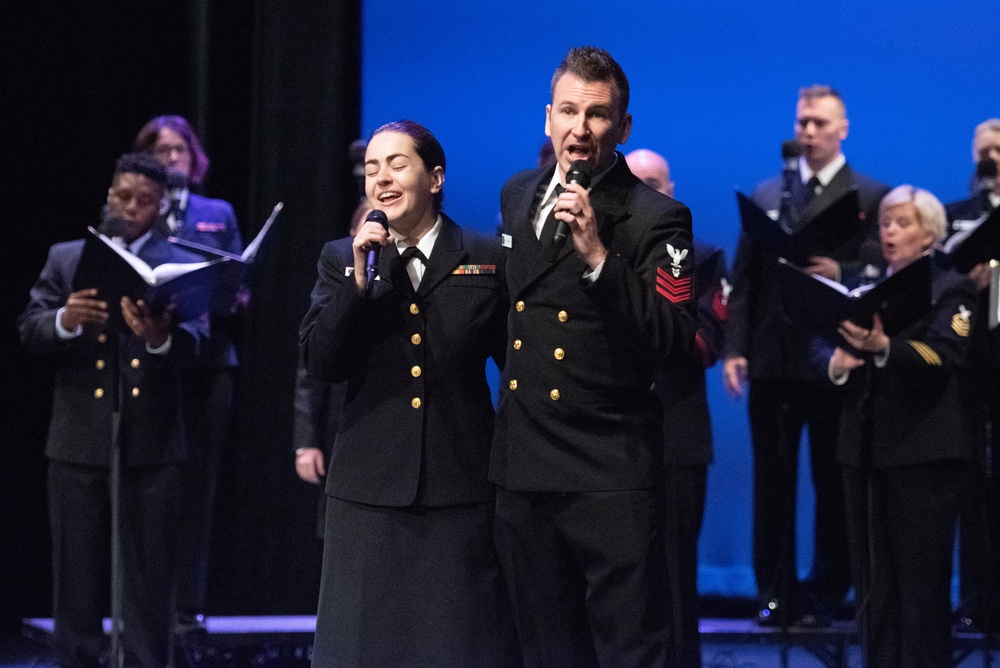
[[652, 169]]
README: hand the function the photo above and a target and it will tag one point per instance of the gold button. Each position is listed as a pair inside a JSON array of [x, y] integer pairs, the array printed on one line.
[[563, 316], [415, 402], [415, 339], [99, 364], [414, 309], [517, 344], [98, 393], [554, 395], [559, 353], [102, 337], [519, 306], [513, 385], [135, 391], [415, 372], [135, 363]]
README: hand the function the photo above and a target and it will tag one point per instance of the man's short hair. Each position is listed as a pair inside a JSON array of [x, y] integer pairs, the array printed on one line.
[[593, 65], [142, 163], [145, 141], [817, 91], [989, 125], [930, 211], [427, 146]]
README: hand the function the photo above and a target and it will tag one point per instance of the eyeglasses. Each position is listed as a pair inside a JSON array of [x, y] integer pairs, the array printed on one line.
[[168, 150]]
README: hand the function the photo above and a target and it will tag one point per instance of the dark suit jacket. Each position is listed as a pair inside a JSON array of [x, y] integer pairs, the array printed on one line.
[[212, 222], [418, 416], [576, 413], [687, 425], [910, 411], [757, 329], [80, 430]]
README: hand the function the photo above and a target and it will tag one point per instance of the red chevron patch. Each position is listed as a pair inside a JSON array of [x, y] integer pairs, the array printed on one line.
[[675, 290]]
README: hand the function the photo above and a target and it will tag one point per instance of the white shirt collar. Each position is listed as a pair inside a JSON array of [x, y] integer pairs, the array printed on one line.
[[136, 245], [426, 243], [557, 179], [825, 174]]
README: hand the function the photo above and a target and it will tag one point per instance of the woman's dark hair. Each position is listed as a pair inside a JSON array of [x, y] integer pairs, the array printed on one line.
[[428, 148], [145, 141]]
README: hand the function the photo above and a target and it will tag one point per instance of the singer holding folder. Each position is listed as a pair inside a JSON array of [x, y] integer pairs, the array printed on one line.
[[410, 574], [785, 393], [906, 447], [99, 356]]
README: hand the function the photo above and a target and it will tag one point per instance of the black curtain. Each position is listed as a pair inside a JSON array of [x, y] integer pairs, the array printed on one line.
[[274, 90]]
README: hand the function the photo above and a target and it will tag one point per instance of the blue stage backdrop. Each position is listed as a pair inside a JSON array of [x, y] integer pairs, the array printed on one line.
[[714, 86]]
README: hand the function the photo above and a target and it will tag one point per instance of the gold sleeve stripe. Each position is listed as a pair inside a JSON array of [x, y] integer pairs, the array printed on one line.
[[926, 352]]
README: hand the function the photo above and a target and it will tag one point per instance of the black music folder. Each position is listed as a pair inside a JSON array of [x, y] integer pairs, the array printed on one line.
[[824, 233], [249, 253], [975, 245], [115, 272], [819, 304]]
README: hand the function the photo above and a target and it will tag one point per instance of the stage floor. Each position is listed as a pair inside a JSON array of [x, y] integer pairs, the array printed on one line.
[[287, 641]]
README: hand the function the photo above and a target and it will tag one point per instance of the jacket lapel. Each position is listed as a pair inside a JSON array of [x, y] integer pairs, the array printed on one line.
[[448, 253]]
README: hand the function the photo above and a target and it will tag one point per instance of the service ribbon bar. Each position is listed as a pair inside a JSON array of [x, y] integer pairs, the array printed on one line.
[[476, 269]]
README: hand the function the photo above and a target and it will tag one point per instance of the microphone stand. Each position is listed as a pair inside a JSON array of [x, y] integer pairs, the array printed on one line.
[[114, 486]]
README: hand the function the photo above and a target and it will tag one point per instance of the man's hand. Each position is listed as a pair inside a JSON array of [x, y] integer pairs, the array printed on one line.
[[309, 465], [153, 329], [826, 267], [573, 208], [734, 375], [84, 308]]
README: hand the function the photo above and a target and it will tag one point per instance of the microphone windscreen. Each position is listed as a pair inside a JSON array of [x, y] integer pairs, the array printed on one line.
[[112, 225], [579, 172], [870, 253], [986, 168], [790, 149], [376, 216], [176, 181]]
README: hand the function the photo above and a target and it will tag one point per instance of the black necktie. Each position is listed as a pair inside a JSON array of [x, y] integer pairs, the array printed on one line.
[[812, 186], [548, 233], [400, 277]]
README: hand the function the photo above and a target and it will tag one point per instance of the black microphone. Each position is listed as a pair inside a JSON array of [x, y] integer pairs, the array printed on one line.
[[986, 180], [371, 264], [579, 173], [870, 255], [112, 224], [791, 149]]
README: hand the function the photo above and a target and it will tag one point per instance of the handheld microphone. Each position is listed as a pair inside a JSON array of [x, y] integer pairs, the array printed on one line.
[[986, 180], [579, 173], [371, 263], [791, 149]]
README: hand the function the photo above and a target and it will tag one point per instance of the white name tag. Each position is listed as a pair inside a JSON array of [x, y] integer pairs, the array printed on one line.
[[507, 241]]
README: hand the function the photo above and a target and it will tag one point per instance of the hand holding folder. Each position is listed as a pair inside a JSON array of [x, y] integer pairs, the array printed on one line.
[[820, 305]]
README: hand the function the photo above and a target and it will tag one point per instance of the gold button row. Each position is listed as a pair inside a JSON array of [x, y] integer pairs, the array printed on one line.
[[100, 364], [553, 395], [99, 392], [562, 315]]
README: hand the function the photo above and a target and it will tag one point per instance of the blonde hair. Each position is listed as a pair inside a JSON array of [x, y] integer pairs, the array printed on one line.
[[930, 211]]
